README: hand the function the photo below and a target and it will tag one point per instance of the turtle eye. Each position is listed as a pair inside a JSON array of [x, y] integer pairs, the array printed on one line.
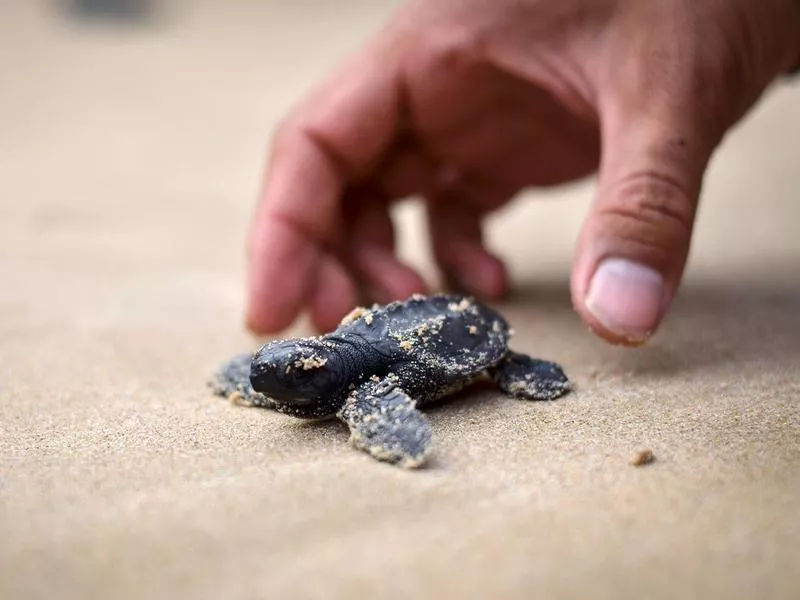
[[314, 375], [300, 379]]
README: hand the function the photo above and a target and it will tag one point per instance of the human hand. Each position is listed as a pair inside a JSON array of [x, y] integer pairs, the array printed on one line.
[[467, 102]]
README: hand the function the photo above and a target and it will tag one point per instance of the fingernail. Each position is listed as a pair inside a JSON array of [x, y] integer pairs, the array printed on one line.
[[626, 298]]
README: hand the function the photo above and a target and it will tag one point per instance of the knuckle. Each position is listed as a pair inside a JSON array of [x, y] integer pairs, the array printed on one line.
[[452, 50], [283, 135], [298, 132], [292, 125], [651, 210]]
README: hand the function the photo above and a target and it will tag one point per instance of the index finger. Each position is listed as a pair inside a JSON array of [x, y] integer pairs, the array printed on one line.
[[334, 138]]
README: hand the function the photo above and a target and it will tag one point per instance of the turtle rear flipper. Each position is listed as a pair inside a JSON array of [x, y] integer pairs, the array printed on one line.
[[529, 378], [384, 422]]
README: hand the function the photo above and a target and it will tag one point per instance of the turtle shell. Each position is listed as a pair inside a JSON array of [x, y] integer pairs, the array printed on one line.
[[452, 336]]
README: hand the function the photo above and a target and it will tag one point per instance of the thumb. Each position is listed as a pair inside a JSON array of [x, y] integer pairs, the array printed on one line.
[[634, 244]]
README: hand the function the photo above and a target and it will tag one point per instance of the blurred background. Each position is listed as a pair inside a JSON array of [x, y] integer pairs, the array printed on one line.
[[133, 126], [137, 127]]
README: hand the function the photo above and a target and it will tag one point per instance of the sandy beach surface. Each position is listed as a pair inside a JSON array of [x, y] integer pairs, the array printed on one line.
[[129, 162]]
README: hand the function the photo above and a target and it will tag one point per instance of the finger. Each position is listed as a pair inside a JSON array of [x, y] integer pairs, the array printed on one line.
[[634, 244], [458, 247], [371, 250], [387, 279], [286, 246], [408, 173], [335, 294], [331, 140]]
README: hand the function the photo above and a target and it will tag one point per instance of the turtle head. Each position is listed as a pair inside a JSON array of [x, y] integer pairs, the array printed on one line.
[[303, 376]]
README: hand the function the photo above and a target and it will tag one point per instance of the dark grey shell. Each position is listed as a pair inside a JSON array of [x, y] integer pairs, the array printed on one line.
[[454, 332], [435, 345]]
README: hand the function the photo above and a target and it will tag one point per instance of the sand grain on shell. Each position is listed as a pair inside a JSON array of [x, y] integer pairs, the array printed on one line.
[[310, 363]]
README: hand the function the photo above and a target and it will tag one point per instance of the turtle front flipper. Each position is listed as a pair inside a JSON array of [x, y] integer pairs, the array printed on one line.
[[529, 378], [384, 422], [232, 381]]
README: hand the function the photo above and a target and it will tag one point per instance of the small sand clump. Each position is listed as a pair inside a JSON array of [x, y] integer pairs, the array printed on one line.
[[312, 362], [642, 457]]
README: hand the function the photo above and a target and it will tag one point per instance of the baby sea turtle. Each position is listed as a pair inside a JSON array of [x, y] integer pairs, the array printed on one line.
[[381, 363]]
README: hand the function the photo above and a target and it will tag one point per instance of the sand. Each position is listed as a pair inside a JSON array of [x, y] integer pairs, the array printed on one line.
[[129, 160]]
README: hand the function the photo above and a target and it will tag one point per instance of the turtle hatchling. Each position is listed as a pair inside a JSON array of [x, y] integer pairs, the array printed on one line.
[[382, 363]]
